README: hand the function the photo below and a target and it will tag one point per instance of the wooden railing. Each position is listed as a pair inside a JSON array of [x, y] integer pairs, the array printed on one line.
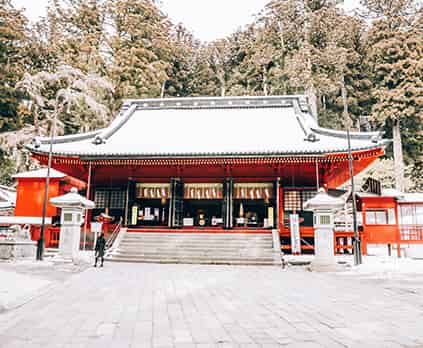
[[343, 242], [114, 235], [54, 237]]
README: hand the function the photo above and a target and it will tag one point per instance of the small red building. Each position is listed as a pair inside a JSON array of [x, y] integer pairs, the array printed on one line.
[[392, 218], [30, 198], [209, 164]]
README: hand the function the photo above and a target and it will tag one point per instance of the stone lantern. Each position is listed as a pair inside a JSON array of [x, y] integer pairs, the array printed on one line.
[[324, 207], [72, 205]]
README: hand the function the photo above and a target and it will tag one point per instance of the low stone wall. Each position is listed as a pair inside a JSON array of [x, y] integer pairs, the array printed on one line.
[[14, 249]]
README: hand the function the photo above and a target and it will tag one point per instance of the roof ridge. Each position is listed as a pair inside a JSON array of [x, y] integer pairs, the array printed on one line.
[[219, 102], [342, 134]]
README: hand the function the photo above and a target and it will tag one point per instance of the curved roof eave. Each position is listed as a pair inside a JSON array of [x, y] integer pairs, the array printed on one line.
[[94, 156]]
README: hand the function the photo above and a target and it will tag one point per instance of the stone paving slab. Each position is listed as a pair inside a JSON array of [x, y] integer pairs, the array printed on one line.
[[172, 306]]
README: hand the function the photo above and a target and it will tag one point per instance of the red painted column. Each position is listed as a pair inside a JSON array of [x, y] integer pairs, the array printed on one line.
[[398, 233], [363, 237], [280, 209]]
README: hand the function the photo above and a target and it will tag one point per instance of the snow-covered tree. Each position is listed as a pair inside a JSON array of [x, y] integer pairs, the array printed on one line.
[[78, 101]]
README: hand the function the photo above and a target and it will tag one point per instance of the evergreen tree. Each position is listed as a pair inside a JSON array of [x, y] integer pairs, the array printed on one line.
[[13, 40], [395, 50], [140, 48], [76, 31], [182, 75]]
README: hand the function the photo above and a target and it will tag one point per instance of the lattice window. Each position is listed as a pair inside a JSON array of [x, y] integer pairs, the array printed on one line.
[[306, 195], [101, 198], [117, 199], [292, 200], [113, 199]]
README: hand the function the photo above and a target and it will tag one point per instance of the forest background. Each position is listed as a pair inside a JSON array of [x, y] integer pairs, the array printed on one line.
[[86, 56]]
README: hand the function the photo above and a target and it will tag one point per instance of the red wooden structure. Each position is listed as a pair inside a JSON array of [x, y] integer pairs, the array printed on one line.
[[209, 164], [30, 196], [392, 218]]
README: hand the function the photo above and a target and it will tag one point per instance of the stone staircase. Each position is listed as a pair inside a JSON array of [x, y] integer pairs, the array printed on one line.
[[196, 248]]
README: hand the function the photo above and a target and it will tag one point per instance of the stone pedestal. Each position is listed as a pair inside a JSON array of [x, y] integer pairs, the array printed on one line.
[[73, 206], [324, 255], [69, 241], [277, 257], [324, 207], [15, 249]]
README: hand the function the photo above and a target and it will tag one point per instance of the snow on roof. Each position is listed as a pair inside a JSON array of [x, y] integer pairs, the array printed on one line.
[[210, 127], [7, 196], [411, 198], [400, 196], [72, 199], [40, 173], [391, 193]]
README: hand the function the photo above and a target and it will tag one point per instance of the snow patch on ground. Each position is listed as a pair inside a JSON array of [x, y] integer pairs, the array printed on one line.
[[23, 279], [16, 289]]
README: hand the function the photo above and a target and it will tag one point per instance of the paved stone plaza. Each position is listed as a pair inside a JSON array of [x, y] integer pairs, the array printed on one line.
[[147, 305]]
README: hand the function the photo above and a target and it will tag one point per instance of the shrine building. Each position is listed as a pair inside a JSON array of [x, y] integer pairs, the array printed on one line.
[[215, 164]]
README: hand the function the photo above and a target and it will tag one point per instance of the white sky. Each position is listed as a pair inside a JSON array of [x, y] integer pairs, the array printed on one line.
[[207, 19]]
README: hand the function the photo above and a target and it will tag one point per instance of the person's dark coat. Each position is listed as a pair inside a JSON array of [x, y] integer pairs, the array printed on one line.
[[100, 246]]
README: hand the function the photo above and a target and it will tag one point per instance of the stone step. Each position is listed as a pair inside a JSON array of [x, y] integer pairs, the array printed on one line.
[[185, 253], [200, 235], [50, 252], [196, 238], [197, 260], [214, 248], [195, 242], [207, 248], [188, 243]]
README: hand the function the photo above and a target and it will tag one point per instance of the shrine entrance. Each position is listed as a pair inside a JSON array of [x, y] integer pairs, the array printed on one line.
[[254, 205], [217, 205], [150, 206], [203, 204]]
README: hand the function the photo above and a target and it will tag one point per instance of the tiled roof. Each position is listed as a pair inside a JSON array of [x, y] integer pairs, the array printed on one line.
[[210, 127]]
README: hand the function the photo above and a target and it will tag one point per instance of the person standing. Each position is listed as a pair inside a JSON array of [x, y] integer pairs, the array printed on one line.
[[100, 247]]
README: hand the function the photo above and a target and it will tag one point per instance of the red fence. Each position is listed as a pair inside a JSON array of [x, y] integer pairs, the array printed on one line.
[[52, 235], [411, 233]]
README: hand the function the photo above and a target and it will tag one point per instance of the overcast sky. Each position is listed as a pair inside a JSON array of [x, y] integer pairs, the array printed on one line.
[[207, 19]]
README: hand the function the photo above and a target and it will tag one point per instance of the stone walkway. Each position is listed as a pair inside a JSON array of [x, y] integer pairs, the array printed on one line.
[[143, 305]]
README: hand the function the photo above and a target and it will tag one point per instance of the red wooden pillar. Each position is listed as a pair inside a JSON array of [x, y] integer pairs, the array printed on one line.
[[363, 244], [398, 232], [280, 208], [87, 216], [363, 236]]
